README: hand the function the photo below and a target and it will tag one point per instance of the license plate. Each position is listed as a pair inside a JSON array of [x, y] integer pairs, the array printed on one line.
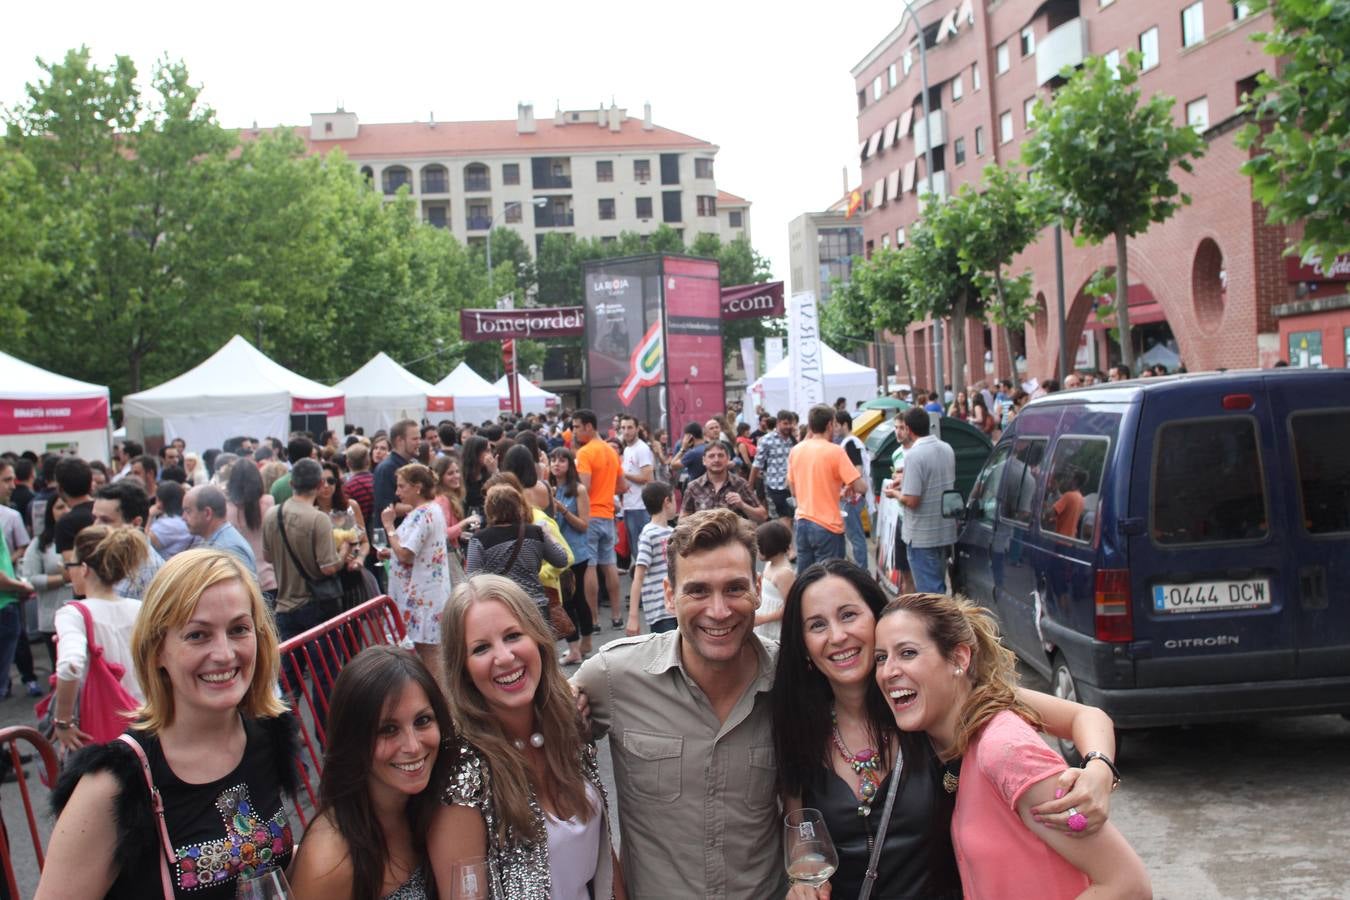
[[1208, 596]]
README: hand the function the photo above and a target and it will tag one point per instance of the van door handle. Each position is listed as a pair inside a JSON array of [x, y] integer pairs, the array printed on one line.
[[1312, 587], [1133, 526]]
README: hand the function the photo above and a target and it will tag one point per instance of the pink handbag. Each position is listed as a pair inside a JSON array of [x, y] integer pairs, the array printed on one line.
[[104, 707]]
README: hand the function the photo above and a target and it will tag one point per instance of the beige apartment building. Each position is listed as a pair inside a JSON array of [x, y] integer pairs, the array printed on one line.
[[592, 173]]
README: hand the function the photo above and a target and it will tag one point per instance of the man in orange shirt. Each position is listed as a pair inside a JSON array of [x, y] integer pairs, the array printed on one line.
[[818, 472], [601, 472]]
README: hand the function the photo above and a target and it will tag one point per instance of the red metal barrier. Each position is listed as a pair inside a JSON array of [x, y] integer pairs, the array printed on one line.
[[319, 654], [9, 742]]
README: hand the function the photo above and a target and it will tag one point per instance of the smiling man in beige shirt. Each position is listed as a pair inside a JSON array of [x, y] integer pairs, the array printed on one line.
[[687, 715]]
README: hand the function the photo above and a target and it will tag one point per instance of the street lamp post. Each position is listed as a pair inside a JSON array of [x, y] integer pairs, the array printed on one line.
[[928, 167], [540, 202]]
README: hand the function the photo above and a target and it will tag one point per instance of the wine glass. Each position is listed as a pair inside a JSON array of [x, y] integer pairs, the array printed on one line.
[[379, 540], [470, 881], [807, 849], [266, 884]]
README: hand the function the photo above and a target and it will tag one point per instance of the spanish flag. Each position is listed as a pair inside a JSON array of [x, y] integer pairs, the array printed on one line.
[[854, 202]]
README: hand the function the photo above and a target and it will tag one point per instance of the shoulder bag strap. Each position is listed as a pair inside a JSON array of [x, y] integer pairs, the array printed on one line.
[[88, 625], [167, 856], [515, 553], [281, 527], [870, 876]]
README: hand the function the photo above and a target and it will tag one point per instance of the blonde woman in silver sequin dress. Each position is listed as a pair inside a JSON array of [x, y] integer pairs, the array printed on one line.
[[524, 791]]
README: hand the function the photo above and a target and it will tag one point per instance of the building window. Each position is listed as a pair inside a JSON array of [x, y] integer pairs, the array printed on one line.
[[975, 76], [671, 207], [1028, 37], [670, 168], [1305, 349], [886, 241], [642, 170], [979, 140], [703, 168], [1001, 58], [438, 216], [607, 209], [604, 170], [1242, 9], [1148, 46], [396, 177], [958, 88], [907, 61], [878, 88], [735, 219], [1105, 3], [1193, 24], [892, 76], [707, 206], [644, 207], [960, 149], [510, 173], [477, 178], [1112, 58], [1029, 112], [1197, 114], [435, 180], [1005, 132], [862, 100], [514, 213], [899, 237]]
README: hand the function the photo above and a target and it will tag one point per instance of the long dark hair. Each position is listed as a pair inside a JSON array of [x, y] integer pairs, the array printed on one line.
[[474, 473], [521, 462], [569, 486], [331, 470], [801, 697], [373, 676], [245, 489]]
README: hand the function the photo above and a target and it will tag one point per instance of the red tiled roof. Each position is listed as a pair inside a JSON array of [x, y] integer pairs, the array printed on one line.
[[466, 138], [726, 199]]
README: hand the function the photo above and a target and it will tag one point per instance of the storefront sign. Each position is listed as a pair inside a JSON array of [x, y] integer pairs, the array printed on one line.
[[329, 406], [1310, 268], [47, 416], [501, 324], [753, 301]]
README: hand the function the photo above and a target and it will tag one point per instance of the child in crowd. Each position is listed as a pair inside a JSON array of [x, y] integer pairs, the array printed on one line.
[[773, 539], [650, 565]]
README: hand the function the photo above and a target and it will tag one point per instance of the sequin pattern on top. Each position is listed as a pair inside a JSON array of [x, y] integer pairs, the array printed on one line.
[[250, 844]]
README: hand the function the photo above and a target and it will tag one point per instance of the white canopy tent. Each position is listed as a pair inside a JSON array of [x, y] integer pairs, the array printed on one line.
[[382, 392], [843, 378], [533, 398], [238, 391], [466, 397], [41, 411]]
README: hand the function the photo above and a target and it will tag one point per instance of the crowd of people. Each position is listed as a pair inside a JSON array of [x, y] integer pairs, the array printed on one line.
[[751, 669]]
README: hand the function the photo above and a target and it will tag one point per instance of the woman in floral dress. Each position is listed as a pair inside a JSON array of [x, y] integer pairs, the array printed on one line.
[[419, 571]]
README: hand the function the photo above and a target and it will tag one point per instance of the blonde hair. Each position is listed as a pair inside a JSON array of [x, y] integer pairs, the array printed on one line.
[[992, 672], [111, 553], [269, 473], [169, 602], [555, 711]]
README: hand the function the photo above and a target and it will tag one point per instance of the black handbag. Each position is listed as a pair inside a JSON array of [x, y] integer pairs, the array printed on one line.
[[327, 590]]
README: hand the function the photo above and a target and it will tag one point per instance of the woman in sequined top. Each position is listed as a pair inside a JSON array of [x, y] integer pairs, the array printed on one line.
[[524, 791], [386, 724]]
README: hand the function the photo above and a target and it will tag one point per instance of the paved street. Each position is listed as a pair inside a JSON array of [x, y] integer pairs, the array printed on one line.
[[1222, 812]]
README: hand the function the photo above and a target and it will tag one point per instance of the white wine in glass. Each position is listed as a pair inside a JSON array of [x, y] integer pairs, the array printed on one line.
[[268, 884], [470, 880], [808, 852]]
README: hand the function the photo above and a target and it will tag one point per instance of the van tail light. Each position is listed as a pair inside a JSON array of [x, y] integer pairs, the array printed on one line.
[[1114, 618], [1238, 401]]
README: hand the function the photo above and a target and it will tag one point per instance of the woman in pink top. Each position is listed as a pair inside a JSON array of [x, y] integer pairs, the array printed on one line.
[[944, 672]]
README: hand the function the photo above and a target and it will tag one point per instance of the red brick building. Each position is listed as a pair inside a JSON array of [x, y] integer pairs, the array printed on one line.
[[1209, 287]]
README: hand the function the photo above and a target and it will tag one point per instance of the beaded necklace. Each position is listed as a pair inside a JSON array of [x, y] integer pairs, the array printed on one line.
[[864, 763]]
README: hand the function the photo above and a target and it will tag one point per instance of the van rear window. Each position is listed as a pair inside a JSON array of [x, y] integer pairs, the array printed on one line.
[[1207, 483], [1322, 447]]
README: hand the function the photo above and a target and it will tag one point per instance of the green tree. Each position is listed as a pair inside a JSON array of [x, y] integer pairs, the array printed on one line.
[[994, 224], [935, 281], [1301, 168], [1107, 155], [25, 270], [874, 299]]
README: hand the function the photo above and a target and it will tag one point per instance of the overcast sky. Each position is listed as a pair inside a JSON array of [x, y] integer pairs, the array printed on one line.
[[768, 83]]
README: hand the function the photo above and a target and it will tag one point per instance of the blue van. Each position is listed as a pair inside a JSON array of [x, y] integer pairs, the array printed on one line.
[[1173, 550]]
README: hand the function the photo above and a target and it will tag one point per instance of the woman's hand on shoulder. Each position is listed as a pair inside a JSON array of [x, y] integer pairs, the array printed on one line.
[[322, 867], [1086, 791]]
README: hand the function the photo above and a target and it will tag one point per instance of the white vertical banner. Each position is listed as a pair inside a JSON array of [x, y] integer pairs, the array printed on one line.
[[749, 358], [806, 372], [773, 352]]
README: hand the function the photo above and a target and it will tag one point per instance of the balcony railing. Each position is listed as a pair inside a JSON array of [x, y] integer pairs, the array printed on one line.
[[547, 218], [477, 183], [436, 184], [1065, 46], [553, 182], [478, 223]]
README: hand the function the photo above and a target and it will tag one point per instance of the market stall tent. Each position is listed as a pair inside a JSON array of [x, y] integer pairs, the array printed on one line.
[[843, 378], [533, 398], [382, 392], [465, 397], [238, 391], [42, 411]]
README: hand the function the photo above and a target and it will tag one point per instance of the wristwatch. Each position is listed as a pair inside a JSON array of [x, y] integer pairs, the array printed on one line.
[[1097, 754]]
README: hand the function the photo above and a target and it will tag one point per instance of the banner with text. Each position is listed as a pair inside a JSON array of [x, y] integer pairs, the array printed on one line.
[[773, 352], [753, 301], [49, 416], [525, 324], [806, 379]]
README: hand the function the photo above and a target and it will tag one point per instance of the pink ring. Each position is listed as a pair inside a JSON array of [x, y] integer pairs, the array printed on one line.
[[1077, 822]]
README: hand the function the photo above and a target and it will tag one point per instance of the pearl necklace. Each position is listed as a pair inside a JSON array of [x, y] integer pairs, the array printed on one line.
[[864, 763], [536, 741]]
